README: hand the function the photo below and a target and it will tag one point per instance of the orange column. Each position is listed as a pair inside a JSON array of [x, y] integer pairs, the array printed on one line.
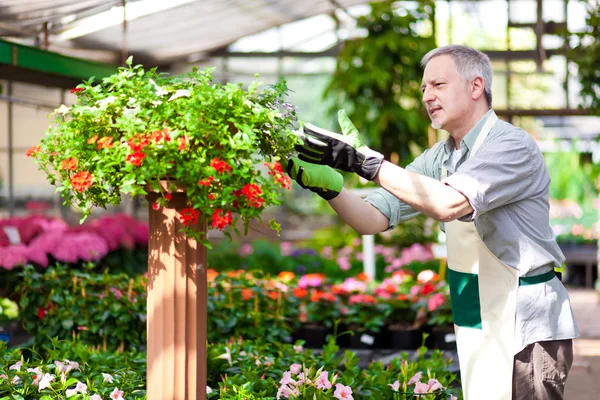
[[177, 312]]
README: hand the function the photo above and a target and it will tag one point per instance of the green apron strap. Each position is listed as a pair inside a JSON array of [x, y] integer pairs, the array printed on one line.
[[533, 280]]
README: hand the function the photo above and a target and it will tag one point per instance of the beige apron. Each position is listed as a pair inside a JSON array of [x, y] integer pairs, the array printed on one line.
[[483, 294]]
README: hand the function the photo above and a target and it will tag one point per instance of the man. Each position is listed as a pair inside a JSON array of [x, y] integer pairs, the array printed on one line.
[[488, 185]]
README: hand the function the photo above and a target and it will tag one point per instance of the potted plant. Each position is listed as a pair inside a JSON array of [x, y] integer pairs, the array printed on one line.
[[365, 316], [139, 131], [437, 310], [9, 312]]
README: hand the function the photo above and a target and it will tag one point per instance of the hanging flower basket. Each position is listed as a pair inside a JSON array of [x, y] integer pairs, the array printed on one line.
[[220, 142]]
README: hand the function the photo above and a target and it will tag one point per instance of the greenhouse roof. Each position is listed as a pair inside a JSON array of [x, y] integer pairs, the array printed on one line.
[[157, 31]]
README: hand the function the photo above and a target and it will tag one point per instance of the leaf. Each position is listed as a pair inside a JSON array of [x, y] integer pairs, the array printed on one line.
[[275, 226]]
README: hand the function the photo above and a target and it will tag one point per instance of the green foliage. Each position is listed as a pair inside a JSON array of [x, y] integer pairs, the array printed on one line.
[[378, 78], [135, 128], [9, 310], [570, 178], [99, 309], [586, 54], [63, 365]]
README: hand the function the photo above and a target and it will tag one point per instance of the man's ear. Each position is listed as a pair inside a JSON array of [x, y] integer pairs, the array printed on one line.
[[477, 88]]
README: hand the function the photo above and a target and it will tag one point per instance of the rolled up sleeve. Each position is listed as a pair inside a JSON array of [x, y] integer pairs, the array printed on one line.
[[500, 173]]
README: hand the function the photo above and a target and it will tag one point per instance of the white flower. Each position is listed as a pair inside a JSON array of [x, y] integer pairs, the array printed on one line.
[[227, 356], [106, 101], [16, 366], [129, 112], [96, 397], [180, 93], [62, 109], [79, 388], [107, 377], [45, 382], [395, 386], [208, 390]]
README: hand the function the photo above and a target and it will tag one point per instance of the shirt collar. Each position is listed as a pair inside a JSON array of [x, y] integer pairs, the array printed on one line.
[[469, 140]]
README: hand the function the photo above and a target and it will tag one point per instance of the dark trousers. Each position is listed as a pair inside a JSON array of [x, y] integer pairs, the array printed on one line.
[[541, 369]]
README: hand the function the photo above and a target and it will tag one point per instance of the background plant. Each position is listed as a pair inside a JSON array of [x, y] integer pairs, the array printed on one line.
[[384, 100]]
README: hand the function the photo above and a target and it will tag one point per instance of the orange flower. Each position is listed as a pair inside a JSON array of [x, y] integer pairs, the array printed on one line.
[[362, 277], [246, 294], [33, 151], [183, 142], [69, 164], [286, 276], [105, 143], [235, 274], [316, 296], [273, 295], [402, 297], [300, 292], [211, 274], [81, 181], [158, 136], [93, 139]]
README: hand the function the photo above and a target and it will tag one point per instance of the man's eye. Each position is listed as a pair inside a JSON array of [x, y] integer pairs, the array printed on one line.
[[438, 84]]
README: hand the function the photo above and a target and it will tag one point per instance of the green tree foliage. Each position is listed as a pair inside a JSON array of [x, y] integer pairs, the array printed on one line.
[[378, 77]]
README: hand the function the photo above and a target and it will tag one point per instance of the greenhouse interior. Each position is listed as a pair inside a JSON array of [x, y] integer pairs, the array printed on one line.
[[158, 241]]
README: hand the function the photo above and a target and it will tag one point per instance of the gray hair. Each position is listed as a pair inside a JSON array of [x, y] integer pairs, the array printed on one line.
[[470, 64]]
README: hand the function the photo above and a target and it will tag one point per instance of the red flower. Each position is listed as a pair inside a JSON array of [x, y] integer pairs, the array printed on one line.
[[221, 221], [188, 216], [220, 165], [168, 196], [138, 142], [158, 136], [251, 190], [105, 143], [427, 288], [277, 173], [212, 196], [33, 151], [42, 312], [69, 164], [136, 158], [206, 181], [155, 206], [77, 90], [255, 202], [81, 181]]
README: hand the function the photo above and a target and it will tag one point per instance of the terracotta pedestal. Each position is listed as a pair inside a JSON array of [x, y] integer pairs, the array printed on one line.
[[177, 314]]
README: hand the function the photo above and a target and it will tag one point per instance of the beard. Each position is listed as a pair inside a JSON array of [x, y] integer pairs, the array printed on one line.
[[436, 125]]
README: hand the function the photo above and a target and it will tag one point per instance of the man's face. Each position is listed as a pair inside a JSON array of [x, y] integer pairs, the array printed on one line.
[[445, 94]]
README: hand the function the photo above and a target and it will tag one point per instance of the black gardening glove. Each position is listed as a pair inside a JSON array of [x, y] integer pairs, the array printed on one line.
[[346, 151]]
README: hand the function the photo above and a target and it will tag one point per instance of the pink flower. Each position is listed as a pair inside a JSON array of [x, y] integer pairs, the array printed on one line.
[[343, 392], [287, 378], [323, 381], [116, 394], [434, 385], [96, 397], [13, 256], [295, 369], [416, 378], [343, 263], [284, 391], [354, 285], [327, 252], [435, 301], [79, 388], [246, 249], [395, 386], [285, 248], [421, 388]]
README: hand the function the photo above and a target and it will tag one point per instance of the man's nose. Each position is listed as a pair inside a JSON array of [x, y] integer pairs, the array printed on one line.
[[428, 96]]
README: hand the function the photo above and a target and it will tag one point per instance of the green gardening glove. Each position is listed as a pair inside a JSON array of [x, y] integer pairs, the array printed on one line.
[[324, 181], [346, 151]]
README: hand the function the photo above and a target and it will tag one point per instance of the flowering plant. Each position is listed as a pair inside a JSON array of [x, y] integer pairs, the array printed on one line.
[[137, 128]]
